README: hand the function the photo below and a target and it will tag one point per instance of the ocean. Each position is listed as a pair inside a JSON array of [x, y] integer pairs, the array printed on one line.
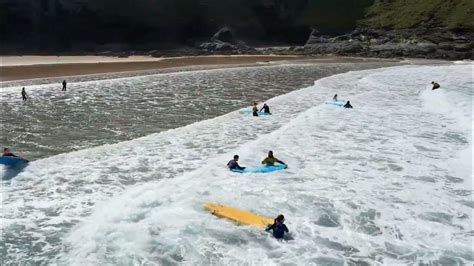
[[118, 180]]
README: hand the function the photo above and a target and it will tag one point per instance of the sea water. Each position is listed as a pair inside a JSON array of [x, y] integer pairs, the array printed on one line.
[[388, 182], [109, 108]]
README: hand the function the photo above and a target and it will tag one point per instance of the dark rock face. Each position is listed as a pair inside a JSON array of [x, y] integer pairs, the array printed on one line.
[[417, 43]]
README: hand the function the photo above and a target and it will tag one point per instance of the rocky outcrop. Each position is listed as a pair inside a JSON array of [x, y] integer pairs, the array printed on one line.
[[224, 40], [418, 43]]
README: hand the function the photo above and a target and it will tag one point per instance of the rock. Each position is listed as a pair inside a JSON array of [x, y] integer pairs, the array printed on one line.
[[218, 46], [224, 35], [418, 42], [225, 41], [315, 38]]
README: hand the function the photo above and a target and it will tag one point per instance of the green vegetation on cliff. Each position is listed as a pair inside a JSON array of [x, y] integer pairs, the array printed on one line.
[[402, 14]]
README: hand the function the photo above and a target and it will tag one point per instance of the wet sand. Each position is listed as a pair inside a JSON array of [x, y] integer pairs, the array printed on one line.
[[23, 68], [33, 67]]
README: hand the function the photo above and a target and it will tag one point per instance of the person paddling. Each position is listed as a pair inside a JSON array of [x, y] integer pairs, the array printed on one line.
[[435, 85], [234, 165], [348, 105], [265, 108], [279, 228], [270, 160]]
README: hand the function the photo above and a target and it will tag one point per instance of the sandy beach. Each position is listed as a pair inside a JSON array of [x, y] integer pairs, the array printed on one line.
[[13, 68], [33, 67]]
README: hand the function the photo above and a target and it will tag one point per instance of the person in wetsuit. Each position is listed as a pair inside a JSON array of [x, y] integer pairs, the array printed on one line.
[[435, 85], [23, 94], [278, 227], [64, 85], [270, 160], [234, 165], [255, 109], [334, 98], [7, 152], [265, 108], [348, 105]]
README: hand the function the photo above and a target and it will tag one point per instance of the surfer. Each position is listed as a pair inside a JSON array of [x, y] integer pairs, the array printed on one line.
[[270, 160], [265, 108], [23, 94], [234, 165], [255, 109], [334, 98], [7, 152], [278, 227], [348, 105], [64, 85], [435, 85]]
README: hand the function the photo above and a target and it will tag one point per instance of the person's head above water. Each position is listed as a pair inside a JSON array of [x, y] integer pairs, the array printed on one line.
[[280, 218], [6, 150], [265, 104], [432, 82], [236, 157], [270, 154], [254, 103], [348, 102]]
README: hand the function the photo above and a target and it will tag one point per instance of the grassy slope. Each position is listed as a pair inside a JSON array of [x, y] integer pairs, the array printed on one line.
[[400, 14]]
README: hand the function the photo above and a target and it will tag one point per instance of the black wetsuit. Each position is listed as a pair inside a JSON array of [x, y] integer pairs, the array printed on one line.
[[279, 230], [435, 86], [347, 105], [265, 109], [64, 85]]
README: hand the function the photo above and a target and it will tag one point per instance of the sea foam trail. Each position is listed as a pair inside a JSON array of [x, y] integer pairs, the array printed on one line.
[[371, 184]]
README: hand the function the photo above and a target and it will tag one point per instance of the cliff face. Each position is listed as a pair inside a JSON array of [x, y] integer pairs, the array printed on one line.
[[67, 24], [93, 25]]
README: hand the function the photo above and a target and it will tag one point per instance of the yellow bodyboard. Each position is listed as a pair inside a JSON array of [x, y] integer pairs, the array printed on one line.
[[237, 215]]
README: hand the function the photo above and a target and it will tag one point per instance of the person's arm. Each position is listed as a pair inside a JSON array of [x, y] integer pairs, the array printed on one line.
[[264, 161], [270, 227], [278, 161], [239, 167], [261, 109], [286, 228]]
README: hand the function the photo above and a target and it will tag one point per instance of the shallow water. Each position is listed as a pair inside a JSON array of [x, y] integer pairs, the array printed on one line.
[[97, 112], [387, 182]]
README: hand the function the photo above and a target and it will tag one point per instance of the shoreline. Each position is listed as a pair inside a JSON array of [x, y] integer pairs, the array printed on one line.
[[36, 67], [19, 68]]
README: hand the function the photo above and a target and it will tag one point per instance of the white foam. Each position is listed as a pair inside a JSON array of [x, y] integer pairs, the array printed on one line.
[[381, 178]]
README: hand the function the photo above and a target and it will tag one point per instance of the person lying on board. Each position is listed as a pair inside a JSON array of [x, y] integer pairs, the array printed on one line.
[[435, 85], [7, 152], [348, 105], [270, 160], [266, 108], [278, 227], [234, 165]]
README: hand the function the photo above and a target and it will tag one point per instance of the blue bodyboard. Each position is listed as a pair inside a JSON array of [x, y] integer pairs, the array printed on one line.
[[338, 103], [247, 111], [10, 160], [264, 169]]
